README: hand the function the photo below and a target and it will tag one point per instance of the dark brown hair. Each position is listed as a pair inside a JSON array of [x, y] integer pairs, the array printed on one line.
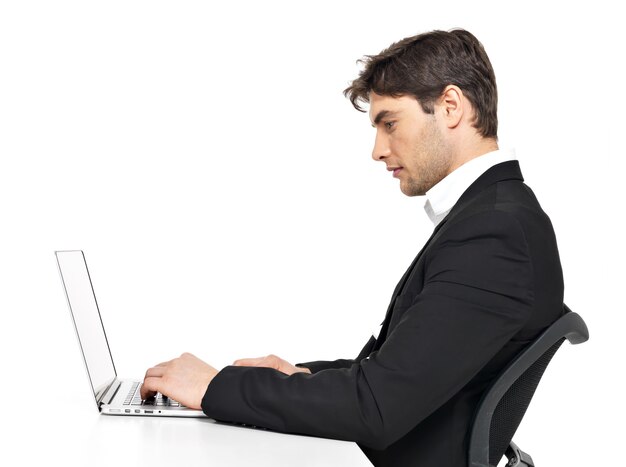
[[423, 65]]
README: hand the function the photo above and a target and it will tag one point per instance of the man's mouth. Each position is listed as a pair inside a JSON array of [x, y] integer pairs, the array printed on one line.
[[396, 171]]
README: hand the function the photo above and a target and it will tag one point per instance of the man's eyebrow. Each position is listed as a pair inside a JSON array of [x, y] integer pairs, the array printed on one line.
[[382, 114]]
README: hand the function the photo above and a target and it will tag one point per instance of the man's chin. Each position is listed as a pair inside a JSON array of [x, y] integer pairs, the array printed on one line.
[[411, 190]]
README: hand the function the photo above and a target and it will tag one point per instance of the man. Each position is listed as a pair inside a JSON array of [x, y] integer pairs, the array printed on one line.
[[486, 283]]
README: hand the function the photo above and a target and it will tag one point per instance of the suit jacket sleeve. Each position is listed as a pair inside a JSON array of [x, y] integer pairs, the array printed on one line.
[[477, 294]]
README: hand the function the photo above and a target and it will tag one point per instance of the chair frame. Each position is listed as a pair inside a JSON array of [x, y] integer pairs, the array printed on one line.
[[570, 326]]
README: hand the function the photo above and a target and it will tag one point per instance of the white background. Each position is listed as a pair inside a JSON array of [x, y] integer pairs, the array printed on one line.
[[222, 188]]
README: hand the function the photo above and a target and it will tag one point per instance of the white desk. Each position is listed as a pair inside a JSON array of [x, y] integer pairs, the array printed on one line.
[[50, 416], [84, 437]]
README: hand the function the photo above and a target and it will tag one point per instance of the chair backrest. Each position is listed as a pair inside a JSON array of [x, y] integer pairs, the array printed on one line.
[[505, 402]]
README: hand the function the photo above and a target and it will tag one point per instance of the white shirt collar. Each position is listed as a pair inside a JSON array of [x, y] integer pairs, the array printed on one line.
[[444, 195]]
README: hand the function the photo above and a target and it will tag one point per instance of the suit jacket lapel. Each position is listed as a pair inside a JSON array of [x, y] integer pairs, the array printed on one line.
[[383, 332]]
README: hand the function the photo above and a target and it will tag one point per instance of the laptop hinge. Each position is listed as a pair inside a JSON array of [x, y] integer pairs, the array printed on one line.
[[110, 392]]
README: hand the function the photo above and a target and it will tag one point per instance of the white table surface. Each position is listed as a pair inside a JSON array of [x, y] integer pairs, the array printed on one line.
[[74, 434]]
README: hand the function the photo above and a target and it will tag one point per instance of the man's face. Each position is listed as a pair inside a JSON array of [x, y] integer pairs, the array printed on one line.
[[409, 141]]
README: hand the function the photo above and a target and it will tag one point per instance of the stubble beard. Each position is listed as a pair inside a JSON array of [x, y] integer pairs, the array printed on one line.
[[432, 161]]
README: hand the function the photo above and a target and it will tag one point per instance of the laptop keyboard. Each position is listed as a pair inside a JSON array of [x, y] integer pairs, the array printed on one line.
[[134, 398]]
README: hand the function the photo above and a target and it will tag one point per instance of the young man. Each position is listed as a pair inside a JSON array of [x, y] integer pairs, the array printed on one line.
[[486, 283]]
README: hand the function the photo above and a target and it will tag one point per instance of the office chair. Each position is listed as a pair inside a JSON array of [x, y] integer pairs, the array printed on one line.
[[504, 403]]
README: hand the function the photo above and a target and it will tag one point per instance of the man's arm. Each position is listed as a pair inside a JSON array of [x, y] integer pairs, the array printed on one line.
[[186, 378], [277, 363], [477, 294], [272, 361]]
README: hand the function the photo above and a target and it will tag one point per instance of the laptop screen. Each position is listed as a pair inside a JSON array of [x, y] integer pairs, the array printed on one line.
[[86, 316]]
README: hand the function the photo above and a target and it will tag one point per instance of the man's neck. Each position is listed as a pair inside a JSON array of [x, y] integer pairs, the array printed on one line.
[[473, 150]]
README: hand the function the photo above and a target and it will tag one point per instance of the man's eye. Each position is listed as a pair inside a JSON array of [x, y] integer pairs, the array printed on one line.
[[389, 125]]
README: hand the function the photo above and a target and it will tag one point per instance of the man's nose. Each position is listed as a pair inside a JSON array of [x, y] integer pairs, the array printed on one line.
[[381, 147]]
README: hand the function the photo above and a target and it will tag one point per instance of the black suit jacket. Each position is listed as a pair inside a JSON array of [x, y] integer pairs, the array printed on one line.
[[486, 283]]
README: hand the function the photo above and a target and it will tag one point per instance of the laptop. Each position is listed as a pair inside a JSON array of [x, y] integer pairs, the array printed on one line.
[[113, 396]]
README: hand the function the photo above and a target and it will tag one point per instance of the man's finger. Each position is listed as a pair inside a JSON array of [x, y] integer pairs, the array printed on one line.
[[248, 361], [151, 385], [156, 371]]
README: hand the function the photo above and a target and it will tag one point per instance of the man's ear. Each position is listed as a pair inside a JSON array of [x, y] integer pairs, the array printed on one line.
[[452, 105]]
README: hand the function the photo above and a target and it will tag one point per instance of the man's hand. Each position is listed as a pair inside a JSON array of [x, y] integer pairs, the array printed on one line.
[[184, 379], [272, 361]]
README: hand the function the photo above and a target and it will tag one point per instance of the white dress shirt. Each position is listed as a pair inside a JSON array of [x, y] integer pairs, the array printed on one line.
[[444, 195]]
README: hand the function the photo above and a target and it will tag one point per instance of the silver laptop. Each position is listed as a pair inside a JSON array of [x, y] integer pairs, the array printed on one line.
[[113, 396]]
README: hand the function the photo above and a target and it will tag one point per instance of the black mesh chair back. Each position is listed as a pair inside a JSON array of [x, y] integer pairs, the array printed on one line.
[[505, 402]]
